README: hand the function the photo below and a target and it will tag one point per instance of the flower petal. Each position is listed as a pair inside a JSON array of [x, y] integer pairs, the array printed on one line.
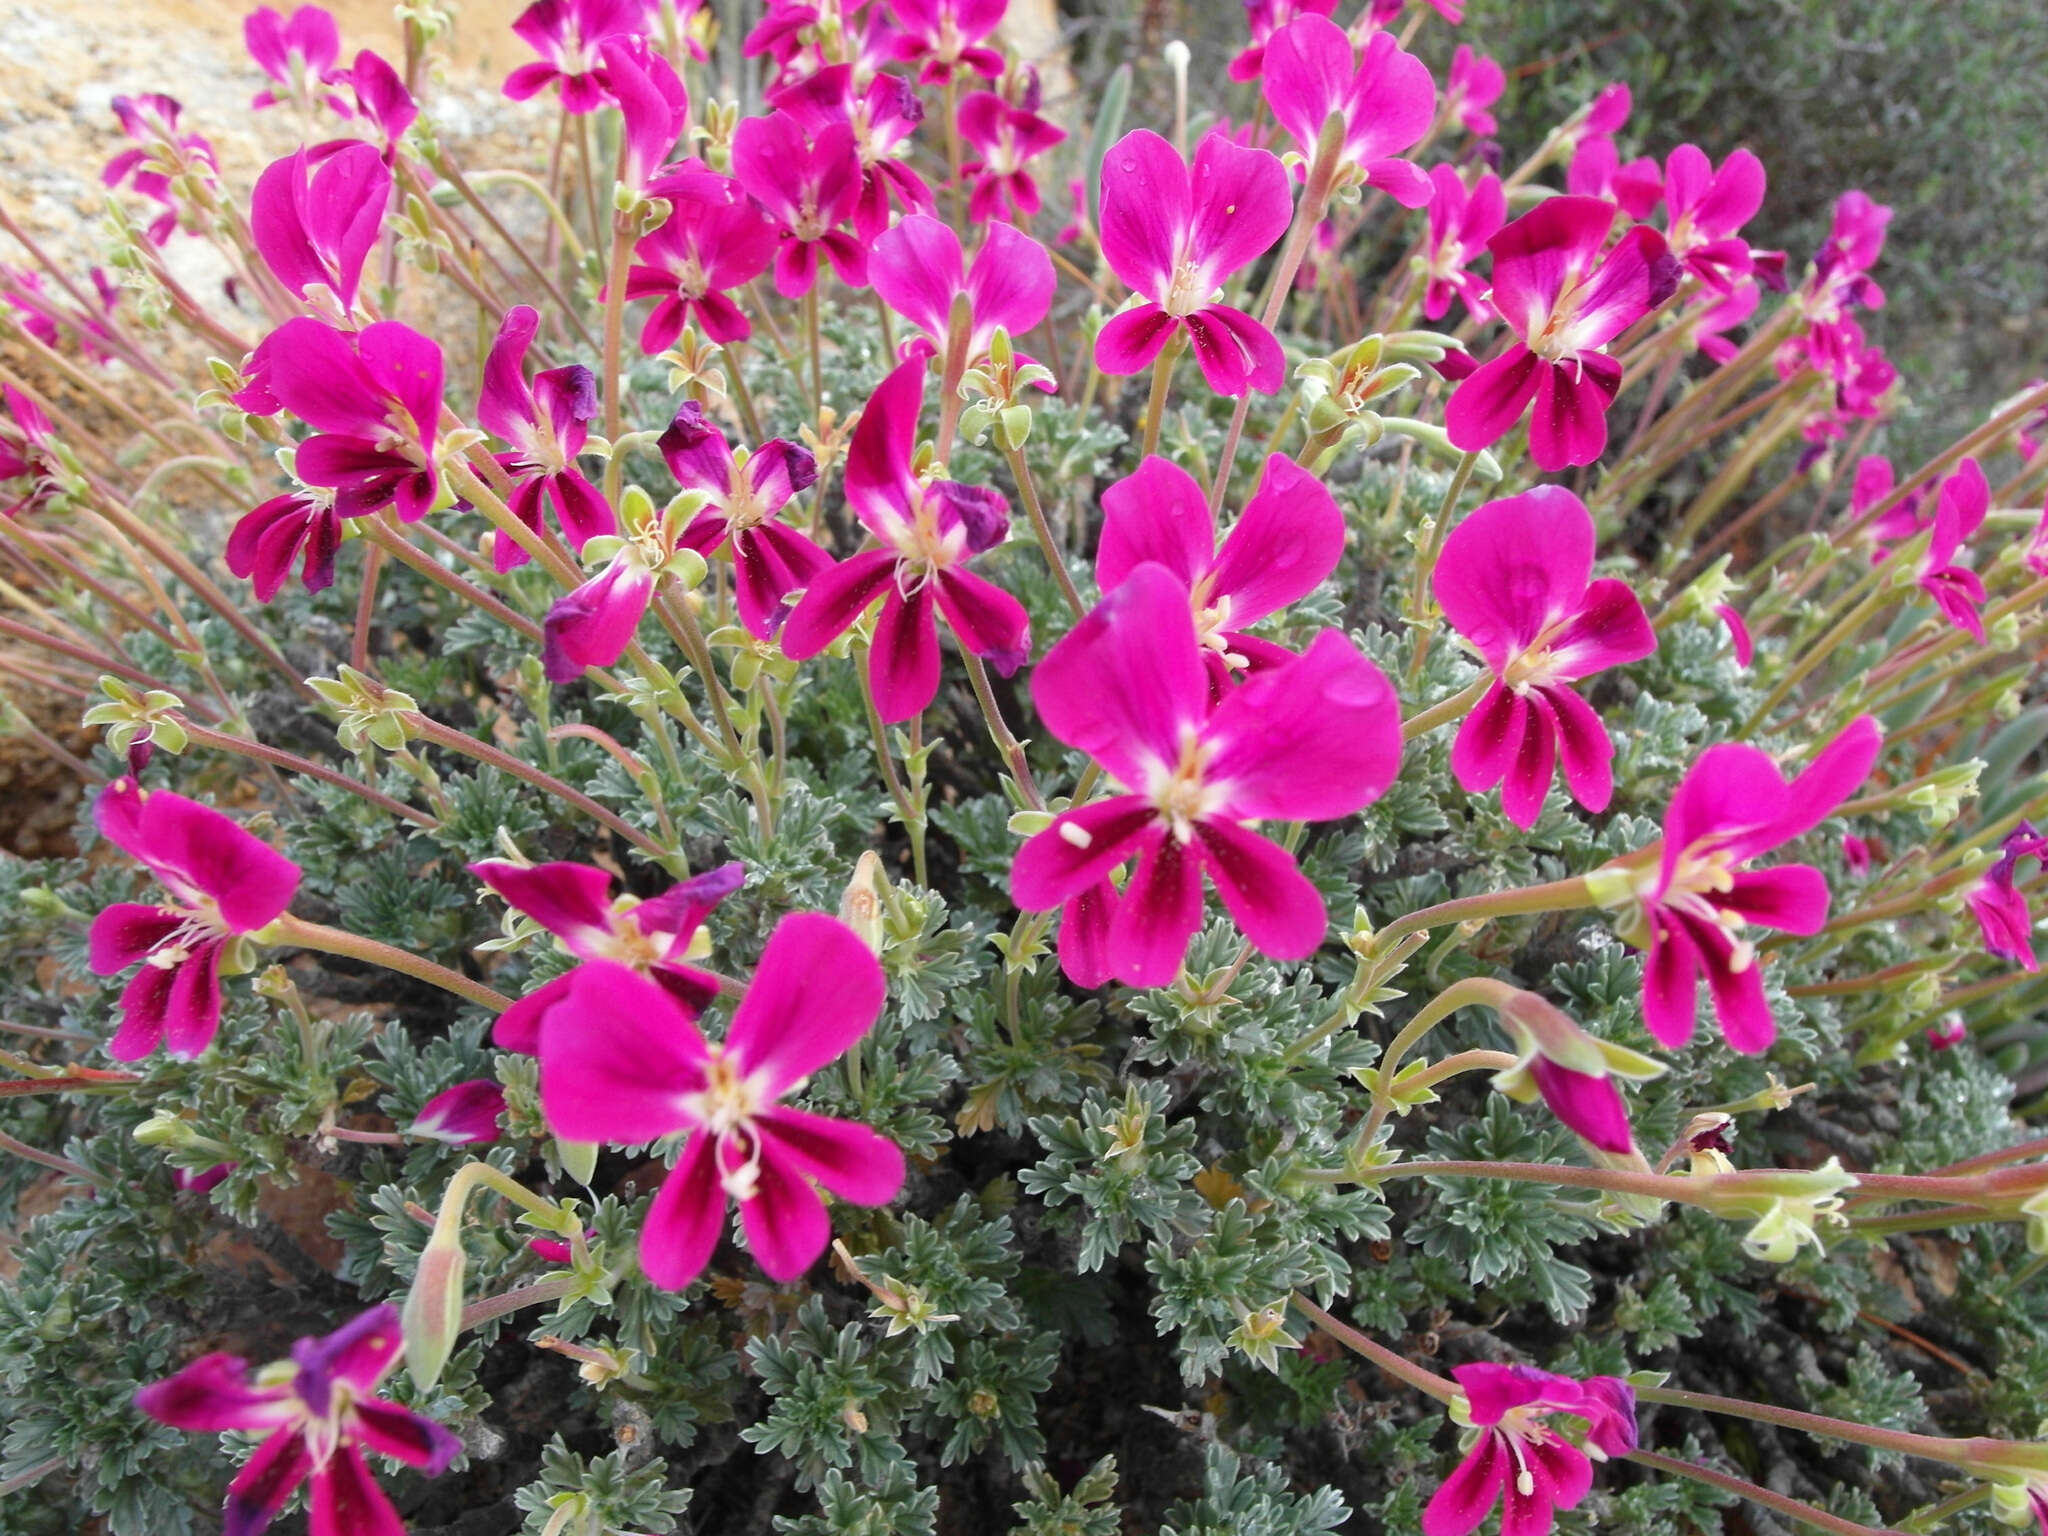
[[1276, 905], [903, 666], [346, 1500], [616, 1058], [786, 1225], [1157, 915], [1080, 848], [571, 901], [1314, 740], [1157, 513], [686, 1219], [1489, 404], [266, 1480], [1287, 543], [835, 598], [856, 1163], [1514, 568], [214, 1393], [1146, 208], [816, 990]]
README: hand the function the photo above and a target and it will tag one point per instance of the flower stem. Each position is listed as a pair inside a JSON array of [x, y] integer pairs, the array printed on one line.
[[1554, 896], [999, 731], [1790, 1508], [50, 1160], [1419, 599], [1394, 1365], [1926, 1447], [1444, 711], [1034, 508], [299, 933], [293, 763], [477, 1313], [1155, 403]]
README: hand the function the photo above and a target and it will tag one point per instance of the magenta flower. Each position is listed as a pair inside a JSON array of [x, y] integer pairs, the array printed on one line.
[[1289, 539], [1709, 324], [298, 54], [882, 117], [151, 121], [381, 98], [1460, 225], [1597, 171], [946, 35], [27, 453], [1264, 18], [1601, 118], [621, 1062], [1515, 579], [715, 239], [1738, 633], [1960, 509], [1475, 83], [300, 525], [199, 1183], [2037, 547], [1564, 300], [575, 904], [1841, 268], [747, 491], [1707, 207], [810, 186], [319, 1415], [1947, 1034], [547, 424], [315, 223], [376, 406], [465, 1115], [591, 625], [1518, 1460], [1386, 98], [569, 36], [1315, 740], [917, 269], [652, 105], [221, 881], [1999, 905], [1175, 247], [1856, 853], [929, 531], [1005, 139], [1732, 806], [1573, 1072]]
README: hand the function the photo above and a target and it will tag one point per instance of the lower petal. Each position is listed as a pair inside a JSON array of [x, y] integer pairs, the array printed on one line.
[[1084, 936], [1584, 747], [1158, 914], [785, 1222], [1670, 981], [1569, 425], [1080, 848], [686, 1219], [903, 667], [346, 1500], [1489, 739], [1235, 352], [1280, 911], [1528, 778], [986, 619], [1463, 1500], [856, 1163], [1486, 407], [1130, 342], [265, 1482]]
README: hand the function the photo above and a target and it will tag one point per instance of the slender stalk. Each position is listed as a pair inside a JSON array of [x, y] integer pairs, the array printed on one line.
[[1444, 711], [477, 1313], [49, 1160], [913, 824], [1954, 1453], [1554, 896], [1155, 402], [395, 544], [1419, 600], [291, 762], [1790, 1508], [999, 731], [300, 934], [1041, 527], [1401, 1369]]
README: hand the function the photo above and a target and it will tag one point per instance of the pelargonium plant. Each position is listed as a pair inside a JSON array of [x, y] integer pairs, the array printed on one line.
[[1423, 920]]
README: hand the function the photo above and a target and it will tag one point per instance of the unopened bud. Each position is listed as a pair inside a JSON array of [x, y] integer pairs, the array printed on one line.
[[860, 908], [433, 1308]]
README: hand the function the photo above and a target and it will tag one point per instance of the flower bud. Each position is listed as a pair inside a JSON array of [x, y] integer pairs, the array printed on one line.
[[860, 908], [433, 1308]]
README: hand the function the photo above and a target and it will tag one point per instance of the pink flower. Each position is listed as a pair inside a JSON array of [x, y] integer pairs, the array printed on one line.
[[382, 98], [651, 101], [1949, 1033], [1289, 539], [1386, 98], [1175, 247], [1999, 905], [715, 239], [1315, 740], [1574, 1072], [2037, 546], [1732, 806], [575, 904], [221, 881], [1460, 224], [1856, 854], [569, 36], [319, 1415], [300, 525], [591, 625], [917, 269], [946, 35], [1960, 509], [462, 1116], [1005, 139], [770, 559], [191, 1183], [1475, 83], [151, 121], [1519, 1461], [1515, 579], [929, 531], [1707, 207], [1601, 118], [1738, 633], [547, 424], [883, 116], [810, 186], [299, 54], [621, 1062], [1564, 300], [1709, 324], [1264, 18], [1841, 267], [27, 453], [1597, 171], [315, 224], [376, 405]]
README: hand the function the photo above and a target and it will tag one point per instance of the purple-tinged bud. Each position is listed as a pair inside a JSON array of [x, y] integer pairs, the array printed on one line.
[[433, 1307], [463, 1115]]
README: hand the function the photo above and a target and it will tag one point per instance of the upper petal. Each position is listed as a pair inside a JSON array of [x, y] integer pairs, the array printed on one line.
[[571, 901], [1241, 204], [1146, 208], [1514, 568], [916, 268], [1314, 740], [1157, 513], [815, 992]]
